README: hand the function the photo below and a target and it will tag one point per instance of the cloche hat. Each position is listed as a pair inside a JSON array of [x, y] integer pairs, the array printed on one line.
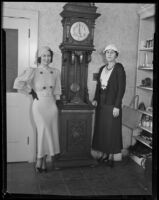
[[110, 46], [40, 51]]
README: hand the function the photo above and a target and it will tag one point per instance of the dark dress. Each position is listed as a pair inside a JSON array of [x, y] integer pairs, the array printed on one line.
[[107, 135]]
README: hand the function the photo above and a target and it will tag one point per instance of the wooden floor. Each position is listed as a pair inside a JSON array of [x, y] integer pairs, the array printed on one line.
[[126, 178]]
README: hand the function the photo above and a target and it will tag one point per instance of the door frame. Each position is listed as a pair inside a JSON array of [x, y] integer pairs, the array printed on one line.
[[33, 45], [33, 18]]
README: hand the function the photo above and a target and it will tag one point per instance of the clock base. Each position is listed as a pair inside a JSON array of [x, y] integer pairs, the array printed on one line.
[[67, 163], [75, 138]]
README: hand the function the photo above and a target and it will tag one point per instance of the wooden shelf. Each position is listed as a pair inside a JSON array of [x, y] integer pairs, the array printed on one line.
[[145, 68], [145, 112], [143, 141], [147, 49], [145, 88], [148, 129]]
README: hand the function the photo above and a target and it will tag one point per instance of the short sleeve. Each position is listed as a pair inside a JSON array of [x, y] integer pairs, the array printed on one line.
[[57, 89], [23, 82]]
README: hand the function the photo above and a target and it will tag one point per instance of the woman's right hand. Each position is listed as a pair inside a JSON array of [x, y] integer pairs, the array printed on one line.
[[94, 103]]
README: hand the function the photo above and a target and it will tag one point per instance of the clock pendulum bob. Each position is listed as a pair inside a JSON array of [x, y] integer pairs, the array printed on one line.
[[76, 115]]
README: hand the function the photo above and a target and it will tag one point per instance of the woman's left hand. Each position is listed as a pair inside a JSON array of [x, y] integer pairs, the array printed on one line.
[[115, 112]]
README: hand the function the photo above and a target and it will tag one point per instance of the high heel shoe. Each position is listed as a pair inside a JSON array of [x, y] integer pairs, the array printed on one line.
[[44, 170], [100, 159], [110, 163], [38, 169], [103, 158]]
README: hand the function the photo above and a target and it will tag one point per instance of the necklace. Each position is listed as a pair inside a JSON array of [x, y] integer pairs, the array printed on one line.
[[110, 68]]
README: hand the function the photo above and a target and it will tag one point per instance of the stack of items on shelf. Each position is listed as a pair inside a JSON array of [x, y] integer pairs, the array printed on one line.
[[149, 43], [146, 121], [147, 137]]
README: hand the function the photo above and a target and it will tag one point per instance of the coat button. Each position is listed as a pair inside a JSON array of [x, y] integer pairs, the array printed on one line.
[[41, 72], [51, 86], [51, 72], [44, 87]]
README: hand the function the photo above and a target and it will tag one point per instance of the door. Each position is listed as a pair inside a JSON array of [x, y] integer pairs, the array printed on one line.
[[18, 111]]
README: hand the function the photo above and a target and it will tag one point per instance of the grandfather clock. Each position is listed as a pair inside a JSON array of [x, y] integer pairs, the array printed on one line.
[[76, 113]]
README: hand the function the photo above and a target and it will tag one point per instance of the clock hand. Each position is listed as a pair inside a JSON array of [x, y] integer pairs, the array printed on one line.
[[79, 29]]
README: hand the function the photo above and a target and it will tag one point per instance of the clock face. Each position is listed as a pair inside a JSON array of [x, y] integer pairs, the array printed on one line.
[[79, 31]]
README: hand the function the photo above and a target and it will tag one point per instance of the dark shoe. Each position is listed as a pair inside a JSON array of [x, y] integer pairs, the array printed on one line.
[[105, 160], [44, 170], [38, 169], [110, 163], [100, 159]]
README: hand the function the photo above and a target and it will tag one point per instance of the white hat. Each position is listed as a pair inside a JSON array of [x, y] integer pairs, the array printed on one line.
[[110, 46], [42, 50]]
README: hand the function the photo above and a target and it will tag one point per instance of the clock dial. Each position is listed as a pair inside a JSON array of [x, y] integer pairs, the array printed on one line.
[[79, 31]]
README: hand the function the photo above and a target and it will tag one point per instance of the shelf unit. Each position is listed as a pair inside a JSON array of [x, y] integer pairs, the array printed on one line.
[[143, 140], [148, 129], [145, 68], [146, 49], [145, 88], [146, 112]]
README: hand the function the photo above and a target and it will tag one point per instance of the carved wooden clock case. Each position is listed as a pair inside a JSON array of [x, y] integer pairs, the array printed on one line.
[[76, 113]]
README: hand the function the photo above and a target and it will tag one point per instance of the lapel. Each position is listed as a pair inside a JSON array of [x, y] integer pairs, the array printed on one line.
[[111, 75]]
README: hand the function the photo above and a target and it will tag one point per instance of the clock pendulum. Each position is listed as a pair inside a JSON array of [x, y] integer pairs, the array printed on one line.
[[75, 87]]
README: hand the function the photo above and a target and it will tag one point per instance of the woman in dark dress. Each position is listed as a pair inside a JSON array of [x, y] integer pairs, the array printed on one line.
[[109, 92]]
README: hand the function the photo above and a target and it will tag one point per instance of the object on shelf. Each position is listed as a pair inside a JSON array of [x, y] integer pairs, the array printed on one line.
[[143, 44], [149, 43], [143, 141], [147, 82], [149, 109], [142, 106], [149, 65], [149, 139], [145, 133], [146, 121], [150, 143]]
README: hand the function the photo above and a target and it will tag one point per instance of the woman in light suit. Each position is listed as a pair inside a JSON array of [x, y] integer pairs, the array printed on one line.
[[44, 84], [110, 90]]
